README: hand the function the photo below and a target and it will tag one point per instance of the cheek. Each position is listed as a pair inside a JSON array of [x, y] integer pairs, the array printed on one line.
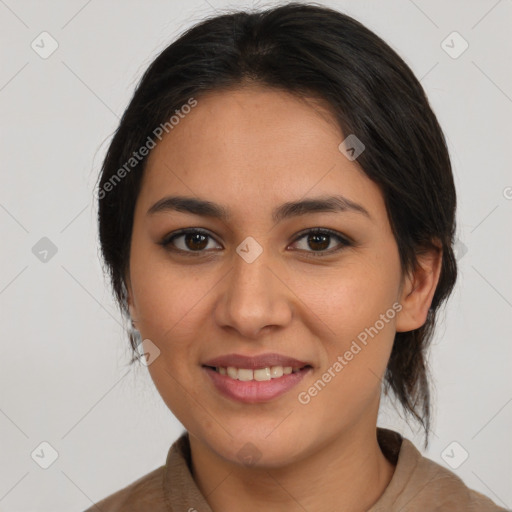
[[166, 296], [169, 304], [360, 313], [348, 384], [350, 298]]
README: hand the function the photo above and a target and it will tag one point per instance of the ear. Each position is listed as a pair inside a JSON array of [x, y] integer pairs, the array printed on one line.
[[129, 299], [418, 290]]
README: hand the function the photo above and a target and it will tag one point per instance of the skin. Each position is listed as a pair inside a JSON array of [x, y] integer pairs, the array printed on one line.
[[252, 149]]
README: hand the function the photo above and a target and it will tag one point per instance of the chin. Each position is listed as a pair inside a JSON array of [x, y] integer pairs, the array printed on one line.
[[258, 449]]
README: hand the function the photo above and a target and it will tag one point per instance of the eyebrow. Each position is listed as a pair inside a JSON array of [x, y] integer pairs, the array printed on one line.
[[287, 210]]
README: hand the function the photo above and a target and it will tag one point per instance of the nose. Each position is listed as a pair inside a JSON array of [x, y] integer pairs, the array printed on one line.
[[254, 297]]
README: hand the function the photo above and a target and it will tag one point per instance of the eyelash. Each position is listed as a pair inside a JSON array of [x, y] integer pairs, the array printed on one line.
[[166, 242]]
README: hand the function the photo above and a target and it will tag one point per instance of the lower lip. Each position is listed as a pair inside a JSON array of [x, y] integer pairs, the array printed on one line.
[[254, 391]]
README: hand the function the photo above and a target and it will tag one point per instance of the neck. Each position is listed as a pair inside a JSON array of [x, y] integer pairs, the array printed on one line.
[[348, 473]]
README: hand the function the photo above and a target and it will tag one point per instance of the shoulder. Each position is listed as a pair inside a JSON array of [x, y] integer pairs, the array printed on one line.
[[446, 491], [151, 491], [419, 483], [141, 494]]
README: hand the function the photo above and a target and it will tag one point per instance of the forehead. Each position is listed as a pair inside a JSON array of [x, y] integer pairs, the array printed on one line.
[[253, 147], [252, 122]]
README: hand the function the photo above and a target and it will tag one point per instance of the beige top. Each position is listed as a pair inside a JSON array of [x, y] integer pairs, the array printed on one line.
[[418, 485]]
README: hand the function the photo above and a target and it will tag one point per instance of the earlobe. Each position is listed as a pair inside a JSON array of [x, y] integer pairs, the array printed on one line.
[[132, 312], [129, 301], [418, 290]]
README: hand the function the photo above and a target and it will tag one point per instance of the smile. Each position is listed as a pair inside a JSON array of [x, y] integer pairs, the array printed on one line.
[[255, 385], [259, 374]]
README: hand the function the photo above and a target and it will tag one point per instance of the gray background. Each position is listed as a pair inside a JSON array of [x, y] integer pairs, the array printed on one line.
[[64, 375]]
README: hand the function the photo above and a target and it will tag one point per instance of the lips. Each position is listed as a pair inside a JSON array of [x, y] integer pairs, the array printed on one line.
[[232, 376], [255, 362]]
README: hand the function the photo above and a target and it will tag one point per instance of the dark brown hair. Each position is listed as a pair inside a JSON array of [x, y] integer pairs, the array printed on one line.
[[310, 51]]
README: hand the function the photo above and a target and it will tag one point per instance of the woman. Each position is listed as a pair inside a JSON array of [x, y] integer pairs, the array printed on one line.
[[277, 214]]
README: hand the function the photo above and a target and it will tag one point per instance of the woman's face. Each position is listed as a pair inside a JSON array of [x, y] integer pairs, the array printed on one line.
[[257, 284]]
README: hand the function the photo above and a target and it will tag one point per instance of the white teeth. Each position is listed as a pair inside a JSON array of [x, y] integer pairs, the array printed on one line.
[[262, 374], [259, 374], [276, 372], [245, 374]]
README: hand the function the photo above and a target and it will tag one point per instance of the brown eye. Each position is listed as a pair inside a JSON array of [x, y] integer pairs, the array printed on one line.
[[319, 240], [190, 240], [195, 241]]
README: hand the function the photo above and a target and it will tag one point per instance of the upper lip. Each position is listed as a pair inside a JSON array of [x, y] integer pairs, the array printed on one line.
[[253, 362]]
